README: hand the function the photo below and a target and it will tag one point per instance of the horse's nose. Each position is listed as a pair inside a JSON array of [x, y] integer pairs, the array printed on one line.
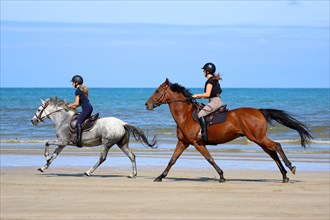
[[147, 106], [34, 122]]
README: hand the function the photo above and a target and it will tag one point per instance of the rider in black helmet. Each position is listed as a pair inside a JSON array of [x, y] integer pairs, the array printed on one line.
[[81, 100], [212, 91]]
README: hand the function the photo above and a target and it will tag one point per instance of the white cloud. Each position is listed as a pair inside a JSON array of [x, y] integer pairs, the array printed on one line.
[[294, 3]]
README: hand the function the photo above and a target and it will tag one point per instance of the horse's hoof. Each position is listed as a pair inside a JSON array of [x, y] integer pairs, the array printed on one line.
[[132, 176], [222, 180], [41, 170], [158, 179], [86, 174], [293, 170], [285, 180]]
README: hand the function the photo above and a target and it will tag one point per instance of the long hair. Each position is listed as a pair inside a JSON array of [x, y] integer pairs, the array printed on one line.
[[84, 89], [216, 77]]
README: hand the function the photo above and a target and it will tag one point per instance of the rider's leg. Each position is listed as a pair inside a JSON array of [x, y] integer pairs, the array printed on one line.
[[201, 116], [215, 103], [204, 128], [79, 134], [86, 112]]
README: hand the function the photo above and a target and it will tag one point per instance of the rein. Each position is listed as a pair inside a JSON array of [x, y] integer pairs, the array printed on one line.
[[46, 115]]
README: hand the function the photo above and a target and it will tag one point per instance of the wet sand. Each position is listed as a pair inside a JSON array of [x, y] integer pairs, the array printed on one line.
[[187, 193]]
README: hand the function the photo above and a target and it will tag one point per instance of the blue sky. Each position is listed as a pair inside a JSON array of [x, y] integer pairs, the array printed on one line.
[[267, 44]]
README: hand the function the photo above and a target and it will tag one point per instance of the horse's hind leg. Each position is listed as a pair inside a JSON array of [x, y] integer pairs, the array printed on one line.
[[284, 158], [103, 156], [272, 148], [273, 154], [124, 147]]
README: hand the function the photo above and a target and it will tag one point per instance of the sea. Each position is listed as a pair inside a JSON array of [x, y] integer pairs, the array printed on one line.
[[310, 106]]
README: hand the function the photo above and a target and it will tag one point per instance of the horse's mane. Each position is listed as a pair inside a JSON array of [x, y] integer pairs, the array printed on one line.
[[57, 101], [175, 87]]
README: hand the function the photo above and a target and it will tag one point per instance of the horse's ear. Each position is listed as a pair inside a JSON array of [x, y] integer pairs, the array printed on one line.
[[42, 101], [167, 81]]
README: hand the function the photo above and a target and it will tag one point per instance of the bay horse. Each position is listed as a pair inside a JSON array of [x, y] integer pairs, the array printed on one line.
[[106, 132], [249, 122]]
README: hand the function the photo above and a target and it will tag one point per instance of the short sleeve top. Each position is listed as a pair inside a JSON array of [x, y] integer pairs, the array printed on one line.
[[82, 97], [216, 89]]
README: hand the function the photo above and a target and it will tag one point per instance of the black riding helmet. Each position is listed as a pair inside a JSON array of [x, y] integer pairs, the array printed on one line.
[[209, 67], [77, 79]]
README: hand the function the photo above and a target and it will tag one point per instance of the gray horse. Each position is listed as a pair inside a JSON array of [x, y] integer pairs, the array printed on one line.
[[106, 132]]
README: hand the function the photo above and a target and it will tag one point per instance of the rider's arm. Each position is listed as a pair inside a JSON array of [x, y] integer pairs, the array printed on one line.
[[75, 104], [206, 94]]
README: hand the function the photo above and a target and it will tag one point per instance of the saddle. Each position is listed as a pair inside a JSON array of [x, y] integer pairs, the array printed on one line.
[[217, 117], [87, 125]]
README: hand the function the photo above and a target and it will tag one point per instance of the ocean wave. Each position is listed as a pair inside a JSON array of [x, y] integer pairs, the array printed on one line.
[[172, 139], [17, 141], [321, 142]]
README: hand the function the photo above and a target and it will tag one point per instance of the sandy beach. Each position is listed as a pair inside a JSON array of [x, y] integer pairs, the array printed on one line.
[[64, 193]]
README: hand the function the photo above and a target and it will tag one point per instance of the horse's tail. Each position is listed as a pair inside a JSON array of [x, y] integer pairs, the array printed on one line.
[[287, 120], [140, 136]]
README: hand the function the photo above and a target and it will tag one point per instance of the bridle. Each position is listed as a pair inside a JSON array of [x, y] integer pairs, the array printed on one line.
[[44, 106], [158, 102]]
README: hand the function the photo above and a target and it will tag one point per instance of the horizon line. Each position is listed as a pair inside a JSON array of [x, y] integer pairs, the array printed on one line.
[[164, 24], [133, 87]]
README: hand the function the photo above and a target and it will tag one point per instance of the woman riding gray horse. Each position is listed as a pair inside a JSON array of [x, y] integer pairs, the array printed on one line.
[[83, 101], [106, 132]]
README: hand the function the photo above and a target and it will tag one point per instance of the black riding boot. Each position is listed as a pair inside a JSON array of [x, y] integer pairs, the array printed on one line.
[[79, 133], [204, 128]]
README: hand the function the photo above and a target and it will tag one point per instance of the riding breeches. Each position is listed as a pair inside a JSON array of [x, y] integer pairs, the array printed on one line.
[[86, 112], [214, 104]]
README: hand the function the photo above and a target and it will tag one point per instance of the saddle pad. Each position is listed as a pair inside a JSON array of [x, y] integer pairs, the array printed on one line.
[[213, 118]]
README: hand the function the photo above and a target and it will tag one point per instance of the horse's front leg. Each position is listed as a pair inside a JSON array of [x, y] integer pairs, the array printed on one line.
[[180, 147], [51, 158], [46, 154], [203, 150], [47, 144]]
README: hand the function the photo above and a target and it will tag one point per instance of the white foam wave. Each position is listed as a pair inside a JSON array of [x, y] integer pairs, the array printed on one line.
[[17, 141]]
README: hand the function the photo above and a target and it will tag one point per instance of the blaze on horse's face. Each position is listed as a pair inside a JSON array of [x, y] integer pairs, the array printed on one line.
[[159, 97], [40, 113]]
